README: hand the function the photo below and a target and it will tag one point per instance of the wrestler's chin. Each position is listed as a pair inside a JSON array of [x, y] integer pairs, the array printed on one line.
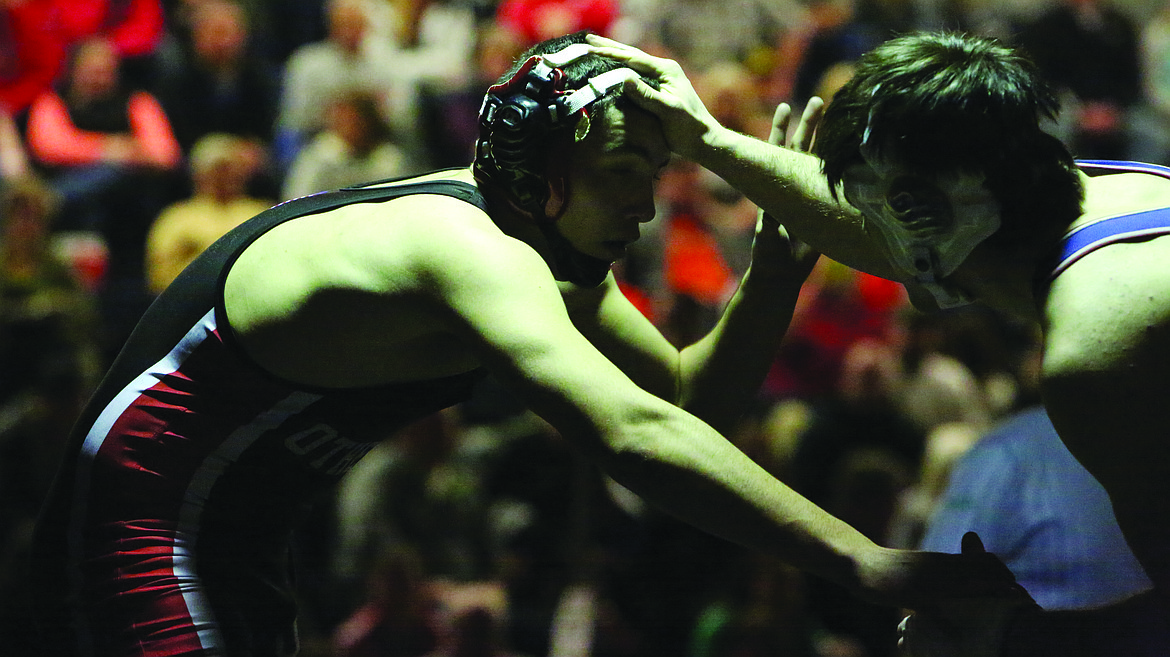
[[924, 301], [921, 298]]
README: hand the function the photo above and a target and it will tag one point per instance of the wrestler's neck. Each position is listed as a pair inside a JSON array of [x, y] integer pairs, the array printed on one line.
[[1000, 281], [517, 224]]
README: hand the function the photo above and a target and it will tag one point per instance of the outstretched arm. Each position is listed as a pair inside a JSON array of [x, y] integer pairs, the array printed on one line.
[[716, 378], [724, 370], [783, 181], [500, 299]]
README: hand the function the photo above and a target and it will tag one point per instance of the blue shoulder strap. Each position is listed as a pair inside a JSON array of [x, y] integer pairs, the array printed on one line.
[[1085, 239]]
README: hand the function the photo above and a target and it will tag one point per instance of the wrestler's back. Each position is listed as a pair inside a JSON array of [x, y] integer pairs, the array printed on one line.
[[168, 525]]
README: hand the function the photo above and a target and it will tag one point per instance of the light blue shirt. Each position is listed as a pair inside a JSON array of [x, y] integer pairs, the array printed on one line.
[[1036, 508]]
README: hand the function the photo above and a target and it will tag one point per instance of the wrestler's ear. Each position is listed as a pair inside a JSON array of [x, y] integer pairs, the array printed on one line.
[[556, 175]]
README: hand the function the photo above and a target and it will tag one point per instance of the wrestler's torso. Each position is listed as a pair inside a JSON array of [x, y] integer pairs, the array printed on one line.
[[1106, 320], [169, 522]]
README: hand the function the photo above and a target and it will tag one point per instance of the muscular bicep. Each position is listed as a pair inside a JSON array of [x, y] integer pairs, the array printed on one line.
[[1104, 374]]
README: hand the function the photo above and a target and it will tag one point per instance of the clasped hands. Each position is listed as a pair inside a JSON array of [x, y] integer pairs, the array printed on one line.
[[964, 627]]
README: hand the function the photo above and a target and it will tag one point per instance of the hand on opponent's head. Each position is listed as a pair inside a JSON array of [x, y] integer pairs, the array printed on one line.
[[685, 119]]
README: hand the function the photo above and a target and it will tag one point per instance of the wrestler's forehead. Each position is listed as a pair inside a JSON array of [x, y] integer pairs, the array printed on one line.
[[634, 132]]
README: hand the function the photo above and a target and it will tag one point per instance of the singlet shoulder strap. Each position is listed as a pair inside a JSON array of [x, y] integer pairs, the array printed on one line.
[[1124, 166], [383, 190], [1089, 237]]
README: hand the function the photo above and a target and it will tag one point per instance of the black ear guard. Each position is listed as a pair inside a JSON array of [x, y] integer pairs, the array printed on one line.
[[518, 116]]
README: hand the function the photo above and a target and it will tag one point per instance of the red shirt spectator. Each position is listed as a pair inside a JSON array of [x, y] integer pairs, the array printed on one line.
[[536, 20], [135, 27], [31, 51]]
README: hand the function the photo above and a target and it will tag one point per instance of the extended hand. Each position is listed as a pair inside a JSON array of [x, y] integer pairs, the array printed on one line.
[[773, 243], [963, 626]]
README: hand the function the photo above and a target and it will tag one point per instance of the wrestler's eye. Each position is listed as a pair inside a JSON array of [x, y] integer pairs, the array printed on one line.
[[919, 205], [902, 202]]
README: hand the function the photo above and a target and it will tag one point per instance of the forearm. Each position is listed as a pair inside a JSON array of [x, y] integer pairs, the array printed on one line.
[[684, 468], [722, 373], [789, 185]]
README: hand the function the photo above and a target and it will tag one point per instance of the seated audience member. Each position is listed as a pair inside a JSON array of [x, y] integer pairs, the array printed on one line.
[[355, 147], [134, 28], [1040, 511], [44, 311], [219, 202], [537, 20], [448, 116], [348, 58], [216, 82], [107, 150], [1031, 503], [32, 53]]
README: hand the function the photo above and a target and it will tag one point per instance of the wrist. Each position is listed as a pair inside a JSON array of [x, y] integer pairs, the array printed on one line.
[[771, 279], [714, 146]]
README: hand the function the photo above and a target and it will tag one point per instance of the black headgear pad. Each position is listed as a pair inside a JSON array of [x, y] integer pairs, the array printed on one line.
[[515, 122]]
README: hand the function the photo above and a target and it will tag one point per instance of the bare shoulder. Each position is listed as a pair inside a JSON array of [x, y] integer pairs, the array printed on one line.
[[350, 296], [1107, 345], [1115, 299]]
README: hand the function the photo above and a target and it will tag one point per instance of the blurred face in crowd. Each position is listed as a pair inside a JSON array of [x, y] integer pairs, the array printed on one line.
[[219, 33], [347, 24], [95, 70]]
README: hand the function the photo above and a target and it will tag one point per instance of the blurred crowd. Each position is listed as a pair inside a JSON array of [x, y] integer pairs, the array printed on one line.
[[133, 133]]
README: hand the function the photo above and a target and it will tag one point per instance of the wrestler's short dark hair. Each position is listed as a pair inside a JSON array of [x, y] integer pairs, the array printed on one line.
[[949, 102]]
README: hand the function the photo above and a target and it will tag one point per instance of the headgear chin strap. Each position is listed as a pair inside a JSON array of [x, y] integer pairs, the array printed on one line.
[[515, 123]]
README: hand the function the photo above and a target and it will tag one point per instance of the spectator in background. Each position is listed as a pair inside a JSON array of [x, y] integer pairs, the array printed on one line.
[[840, 32], [44, 312], [355, 147], [449, 116], [432, 46], [32, 52], [1033, 505], [219, 173], [703, 33], [48, 361], [316, 73], [133, 27], [14, 162], [1151, 120], [112, 156], [396, 618], [1039, 510], [703, 256], [215, 83], [1088, 50], [47, 367], [105, 148], [537, 20]]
